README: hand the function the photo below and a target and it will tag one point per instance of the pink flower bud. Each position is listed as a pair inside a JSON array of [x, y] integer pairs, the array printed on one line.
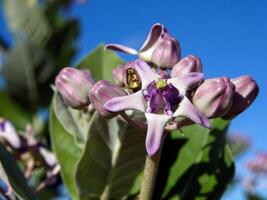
[[160, 48], [167, 53], [214, 97], [246, 90], [74, 85], [101, 92], [186, 65]]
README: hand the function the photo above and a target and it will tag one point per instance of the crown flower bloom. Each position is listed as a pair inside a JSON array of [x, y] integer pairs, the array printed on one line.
[[161, 100], [160, 48]]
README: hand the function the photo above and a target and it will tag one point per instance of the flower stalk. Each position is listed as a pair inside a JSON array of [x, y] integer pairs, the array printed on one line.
[[150, 174]]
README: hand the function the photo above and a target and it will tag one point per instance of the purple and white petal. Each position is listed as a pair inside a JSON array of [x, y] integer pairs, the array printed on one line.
[[48, 157], [122, 48], [146, 74], [186, 109], [129, 102], [8, 132], [152, 37], [155, 130], [187, 81]]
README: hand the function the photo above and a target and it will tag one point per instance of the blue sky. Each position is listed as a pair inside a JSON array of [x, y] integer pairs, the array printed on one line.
[[229, 36]]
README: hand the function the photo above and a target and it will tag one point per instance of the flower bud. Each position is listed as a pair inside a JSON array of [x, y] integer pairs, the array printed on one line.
[[74, 85], [160, 48], [186, 65], [214, 97], [246, 90], [101, 92], [167, 52]]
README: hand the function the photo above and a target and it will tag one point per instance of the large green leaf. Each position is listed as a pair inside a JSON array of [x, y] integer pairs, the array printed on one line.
[[26, 20], [195, 165], [74, 121], [10, 110], [113, 158], [100, 62], [28, 71], [67, 152], [14, 176]]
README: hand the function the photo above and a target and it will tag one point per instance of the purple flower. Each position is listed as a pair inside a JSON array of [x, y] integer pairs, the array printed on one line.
[[159, 48], [161, 100]]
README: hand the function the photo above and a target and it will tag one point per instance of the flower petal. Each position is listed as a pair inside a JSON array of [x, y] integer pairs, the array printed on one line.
[[186, 109], [152, 37], [118, 47], [155, 130], [8, 132], [187, 81], [129, 102], [146, 74]]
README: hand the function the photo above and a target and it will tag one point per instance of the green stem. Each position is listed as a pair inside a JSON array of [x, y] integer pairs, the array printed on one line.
[[150, 174]]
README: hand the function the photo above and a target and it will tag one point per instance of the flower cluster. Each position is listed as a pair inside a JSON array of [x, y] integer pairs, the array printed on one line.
[[26, 148], [170, 91], [258, 173]]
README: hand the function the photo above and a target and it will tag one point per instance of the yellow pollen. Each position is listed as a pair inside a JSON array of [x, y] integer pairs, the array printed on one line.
[[161, 83], [132, 80]]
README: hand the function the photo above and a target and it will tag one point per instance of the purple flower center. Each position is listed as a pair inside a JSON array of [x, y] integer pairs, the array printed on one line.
[[161, 97], [2, 126]]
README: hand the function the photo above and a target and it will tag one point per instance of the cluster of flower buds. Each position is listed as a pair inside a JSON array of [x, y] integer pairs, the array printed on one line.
[[167, 89], [26, 148], [259, 164], [258, 169]]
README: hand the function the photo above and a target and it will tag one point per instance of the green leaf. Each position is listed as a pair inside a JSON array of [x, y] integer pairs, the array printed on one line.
[[67, 152], [100, 62], [14, 176], [26, 21], [113, 158], [74, 121], [28, 72], [198, 165], [10, 110]]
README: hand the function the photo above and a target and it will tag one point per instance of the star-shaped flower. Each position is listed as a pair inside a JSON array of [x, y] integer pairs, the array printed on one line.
[[161, 100]]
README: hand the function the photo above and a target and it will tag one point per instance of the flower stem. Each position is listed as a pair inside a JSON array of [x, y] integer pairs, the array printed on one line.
[[150, 174]]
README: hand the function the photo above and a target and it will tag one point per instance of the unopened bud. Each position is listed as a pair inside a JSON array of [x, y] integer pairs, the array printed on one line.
[[160, 48], [103, 91], [214, 97], [74, 85], [246, 90], [186, 65], [167, 53]]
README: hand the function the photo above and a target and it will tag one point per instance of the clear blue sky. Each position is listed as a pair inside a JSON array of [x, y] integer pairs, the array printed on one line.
[[229, 36]]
